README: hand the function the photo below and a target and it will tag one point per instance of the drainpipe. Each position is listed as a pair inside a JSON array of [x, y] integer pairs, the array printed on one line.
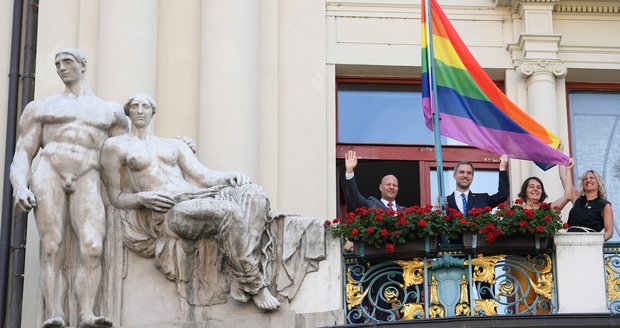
[[20, 225], [11, 125]]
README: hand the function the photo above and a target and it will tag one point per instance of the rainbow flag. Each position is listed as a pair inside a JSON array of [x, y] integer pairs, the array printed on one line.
[[472, 109]]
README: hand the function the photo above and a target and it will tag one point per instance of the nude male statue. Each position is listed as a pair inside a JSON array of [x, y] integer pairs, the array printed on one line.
[[67, 131], [144, 171]]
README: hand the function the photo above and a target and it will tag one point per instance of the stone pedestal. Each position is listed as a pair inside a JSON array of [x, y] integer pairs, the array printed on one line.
[[580, 272]]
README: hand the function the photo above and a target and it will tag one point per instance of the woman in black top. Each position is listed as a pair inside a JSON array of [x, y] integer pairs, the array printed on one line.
[[590, 208]]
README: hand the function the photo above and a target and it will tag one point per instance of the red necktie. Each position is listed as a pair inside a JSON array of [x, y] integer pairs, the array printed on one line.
[[390, 206]]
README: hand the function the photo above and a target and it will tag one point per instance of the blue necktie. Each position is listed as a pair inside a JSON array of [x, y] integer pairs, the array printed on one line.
[[464, 199]]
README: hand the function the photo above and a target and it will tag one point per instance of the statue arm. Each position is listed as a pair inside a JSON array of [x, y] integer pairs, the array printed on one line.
[[119, 192], [203, 177], [27, 146]]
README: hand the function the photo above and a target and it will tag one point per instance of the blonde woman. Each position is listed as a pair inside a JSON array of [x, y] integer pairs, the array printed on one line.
[[591, 211]]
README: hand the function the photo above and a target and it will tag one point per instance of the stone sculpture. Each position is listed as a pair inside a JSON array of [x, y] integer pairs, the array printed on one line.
[[181, 200], [64, 188]]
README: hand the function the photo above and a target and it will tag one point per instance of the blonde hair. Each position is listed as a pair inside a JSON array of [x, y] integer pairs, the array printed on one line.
[[601, 185]]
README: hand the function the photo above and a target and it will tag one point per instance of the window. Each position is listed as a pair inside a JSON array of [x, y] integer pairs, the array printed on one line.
[[382, 120], [595, 137]]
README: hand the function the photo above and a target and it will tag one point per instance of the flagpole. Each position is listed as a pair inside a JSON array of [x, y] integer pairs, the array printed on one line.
[[434, 107]]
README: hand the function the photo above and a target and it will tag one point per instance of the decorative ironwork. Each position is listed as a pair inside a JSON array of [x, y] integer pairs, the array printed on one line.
[[612, 269], [462, 308], [413, 271], [354, 293], [485, 307], [458, 286], [525, 285], [436, 310], [412, 311], [379, 294], [484, 268]]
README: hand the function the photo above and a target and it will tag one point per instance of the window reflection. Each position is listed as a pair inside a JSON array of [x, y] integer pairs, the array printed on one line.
[[595, 127]]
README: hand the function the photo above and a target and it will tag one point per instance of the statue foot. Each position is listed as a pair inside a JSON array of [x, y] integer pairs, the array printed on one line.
[[54, 322], [238, 295], [264, 300], [95, 322]]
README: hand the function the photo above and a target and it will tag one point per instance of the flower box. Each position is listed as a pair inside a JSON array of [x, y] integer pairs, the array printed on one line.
[[415, 248], [511, 245]]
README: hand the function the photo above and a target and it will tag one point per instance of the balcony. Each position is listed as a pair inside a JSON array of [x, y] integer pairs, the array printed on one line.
[[571, 281]]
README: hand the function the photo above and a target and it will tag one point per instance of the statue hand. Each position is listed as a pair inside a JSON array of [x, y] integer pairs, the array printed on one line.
[[156, 201], [24, 200], [238, 179], [190, 143]]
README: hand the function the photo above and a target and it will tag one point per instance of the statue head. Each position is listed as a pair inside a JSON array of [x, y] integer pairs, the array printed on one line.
[[139, 95], [70, 65]]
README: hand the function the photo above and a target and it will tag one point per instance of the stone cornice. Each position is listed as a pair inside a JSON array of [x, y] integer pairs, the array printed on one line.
[[516, 4], [529, 67], [581, 7]]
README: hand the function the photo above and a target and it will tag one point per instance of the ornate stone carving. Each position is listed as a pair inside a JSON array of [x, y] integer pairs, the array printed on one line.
[[528, 67]]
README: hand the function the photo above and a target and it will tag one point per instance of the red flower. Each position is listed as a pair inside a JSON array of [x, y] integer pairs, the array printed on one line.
[[519, 201], [384, 232], [447, 218], [529, 213], [522, 223], [548, 218], [487, 208], [463, 221], [370, 230], [354, 232], [327, 223], [336, 220], [389, 248], [509, 212], [565, 226], [501, 206], [401, 221], [540, 229], [378, 218], [422, 223]]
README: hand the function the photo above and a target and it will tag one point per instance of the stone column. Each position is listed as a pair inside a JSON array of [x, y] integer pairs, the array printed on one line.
[[580, 272], [536, 57], [127, 49], [229, 86]]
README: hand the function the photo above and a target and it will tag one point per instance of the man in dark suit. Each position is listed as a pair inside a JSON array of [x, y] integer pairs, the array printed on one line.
[[464, 200], [388, 188]]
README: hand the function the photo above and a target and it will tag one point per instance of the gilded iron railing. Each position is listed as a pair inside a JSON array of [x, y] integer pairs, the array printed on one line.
[[612, 276], [456, 285]]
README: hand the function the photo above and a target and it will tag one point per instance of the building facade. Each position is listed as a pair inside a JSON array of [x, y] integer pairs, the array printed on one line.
[[262, 87]]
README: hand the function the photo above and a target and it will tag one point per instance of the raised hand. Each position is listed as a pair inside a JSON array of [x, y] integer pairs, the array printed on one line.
[[503, 162], [350, 161]]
